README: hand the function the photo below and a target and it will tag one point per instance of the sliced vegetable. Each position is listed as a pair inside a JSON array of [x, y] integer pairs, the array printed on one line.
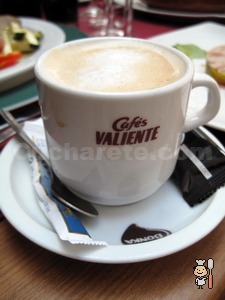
[[5, 64], [192, 51], [16, 40], [32, 40], [18, 33], [1, 44], [9, 59], [7, 48], [38, 35], [13, 55], [28, 44]]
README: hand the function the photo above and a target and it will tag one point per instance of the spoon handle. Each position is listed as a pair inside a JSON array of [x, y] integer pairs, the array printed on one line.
[[7, 116], [58, 188]]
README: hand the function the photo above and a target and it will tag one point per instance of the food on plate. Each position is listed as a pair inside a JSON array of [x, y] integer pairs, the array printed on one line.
[[215, 59], [1, 44], [201, 6], [22, 39], [6, 20], [191, 50], [16, 40], [215, 63], [9, 59]]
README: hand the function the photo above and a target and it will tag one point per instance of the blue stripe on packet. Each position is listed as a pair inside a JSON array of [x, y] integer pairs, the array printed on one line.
[[71, 220]]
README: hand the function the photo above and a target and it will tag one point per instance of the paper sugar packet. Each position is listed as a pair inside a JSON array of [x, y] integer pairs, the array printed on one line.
[[65, 220]]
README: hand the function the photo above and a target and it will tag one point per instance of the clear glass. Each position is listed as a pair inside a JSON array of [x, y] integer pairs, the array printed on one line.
[[94, 13], [116, 20]]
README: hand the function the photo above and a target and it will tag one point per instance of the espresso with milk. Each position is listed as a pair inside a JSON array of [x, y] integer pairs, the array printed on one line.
[[124, 66]]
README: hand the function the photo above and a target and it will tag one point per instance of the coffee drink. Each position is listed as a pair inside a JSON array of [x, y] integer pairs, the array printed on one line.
[[114, 112], [124, 66]]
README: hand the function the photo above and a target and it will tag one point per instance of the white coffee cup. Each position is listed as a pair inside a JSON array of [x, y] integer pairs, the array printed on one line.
[[113, 147]]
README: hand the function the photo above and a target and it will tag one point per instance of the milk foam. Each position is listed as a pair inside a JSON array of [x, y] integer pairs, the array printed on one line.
[[123, 67]]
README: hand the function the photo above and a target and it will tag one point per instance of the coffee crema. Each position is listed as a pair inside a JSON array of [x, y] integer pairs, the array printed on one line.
[[108, 67]]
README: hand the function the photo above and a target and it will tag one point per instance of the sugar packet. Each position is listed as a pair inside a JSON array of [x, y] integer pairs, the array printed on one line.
[[65, 220], [200, 168]]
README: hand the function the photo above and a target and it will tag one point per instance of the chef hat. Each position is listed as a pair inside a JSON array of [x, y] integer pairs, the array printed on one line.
[[200, 262]]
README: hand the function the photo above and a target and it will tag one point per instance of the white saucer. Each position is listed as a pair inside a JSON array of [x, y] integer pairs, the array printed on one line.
[[165, 210]]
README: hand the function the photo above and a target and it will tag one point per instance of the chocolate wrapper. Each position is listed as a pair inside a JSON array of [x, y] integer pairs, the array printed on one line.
[[200, 169]]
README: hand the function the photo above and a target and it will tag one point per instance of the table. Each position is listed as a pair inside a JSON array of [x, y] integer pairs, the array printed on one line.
[[29, 272]]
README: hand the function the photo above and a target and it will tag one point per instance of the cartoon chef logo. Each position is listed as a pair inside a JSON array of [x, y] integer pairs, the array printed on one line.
[[203, 273]]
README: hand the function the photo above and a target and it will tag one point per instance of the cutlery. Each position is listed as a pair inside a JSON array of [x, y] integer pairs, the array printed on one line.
[[58, 188], [210, 266], [21, 114]]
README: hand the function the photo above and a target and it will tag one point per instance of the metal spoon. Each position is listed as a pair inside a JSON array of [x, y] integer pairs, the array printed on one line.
[[58, 188]]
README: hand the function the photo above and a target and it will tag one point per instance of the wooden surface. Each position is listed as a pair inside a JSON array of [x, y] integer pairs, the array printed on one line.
[[28, 272]]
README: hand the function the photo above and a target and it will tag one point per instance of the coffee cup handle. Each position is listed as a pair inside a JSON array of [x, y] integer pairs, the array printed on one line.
[[210, 109]]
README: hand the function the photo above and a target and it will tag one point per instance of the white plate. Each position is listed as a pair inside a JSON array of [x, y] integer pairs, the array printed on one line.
[[206, 35], [186, 15], [166, 210], [23, 71]]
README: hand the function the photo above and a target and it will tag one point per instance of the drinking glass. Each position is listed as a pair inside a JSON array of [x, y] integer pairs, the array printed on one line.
[[119, 18], [94, 13], [116, 19]]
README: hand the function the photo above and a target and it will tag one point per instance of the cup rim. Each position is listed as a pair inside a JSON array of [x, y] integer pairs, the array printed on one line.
[[187, 76]]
